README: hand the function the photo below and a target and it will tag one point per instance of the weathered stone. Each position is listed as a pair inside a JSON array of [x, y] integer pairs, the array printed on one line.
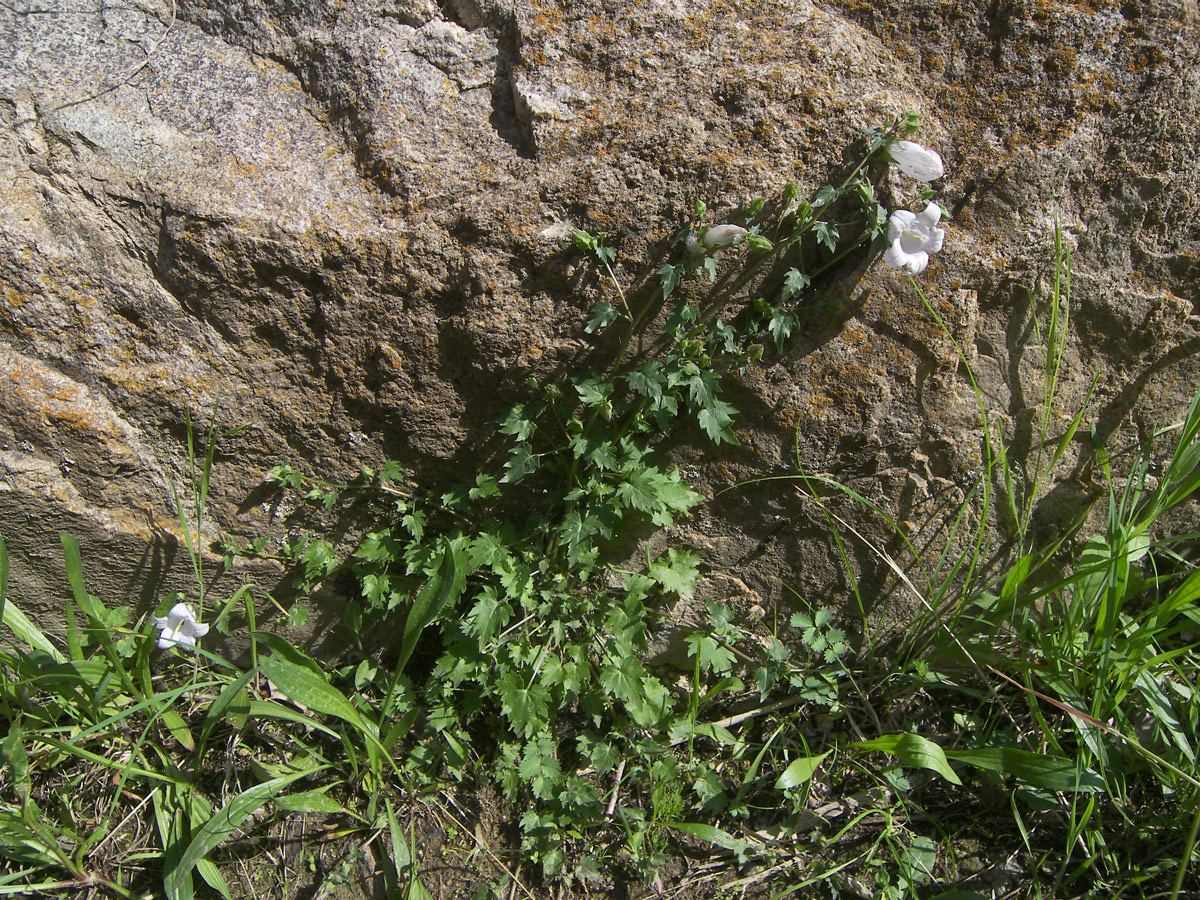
[[325, 221]]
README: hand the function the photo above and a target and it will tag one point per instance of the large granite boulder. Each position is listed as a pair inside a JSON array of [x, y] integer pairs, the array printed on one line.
[[343, 225]]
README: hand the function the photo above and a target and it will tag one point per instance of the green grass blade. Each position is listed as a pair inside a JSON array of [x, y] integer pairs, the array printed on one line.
[[1186, 856], [314, 801], [174, 835], [270, 710], [157, 700], [188, 543], [12, 752], [1160, 707], [165, 777], [1052, 773], [178, 728], [220, 826], [751, 775], [233, 700], [213, 877], [313, 692], [3, 577], [29, 633], [402, 868], [715, 836], [74, 562], [90, 606], [284, 649]]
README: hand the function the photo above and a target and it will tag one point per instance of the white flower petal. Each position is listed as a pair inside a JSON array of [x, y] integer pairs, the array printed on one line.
[[182, 612], [722, 236], [916, 161], [930, 215], [179, 627], [913, 237], [936, 236], [897, 258], [899, 221], [917, 262], [914, 240]]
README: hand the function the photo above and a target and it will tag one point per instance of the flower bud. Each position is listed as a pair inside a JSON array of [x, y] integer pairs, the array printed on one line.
[[722, 236], [915, 161]]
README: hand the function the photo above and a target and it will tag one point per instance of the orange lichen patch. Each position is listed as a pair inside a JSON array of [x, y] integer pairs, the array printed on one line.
[[42, 402], [818, 405], [42, 481], [1034, 77], [390, 356], [549, 18], [1061, 62], [163, 381]]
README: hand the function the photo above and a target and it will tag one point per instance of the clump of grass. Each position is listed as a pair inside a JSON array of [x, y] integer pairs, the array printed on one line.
[[131, 770], [1068, 680]]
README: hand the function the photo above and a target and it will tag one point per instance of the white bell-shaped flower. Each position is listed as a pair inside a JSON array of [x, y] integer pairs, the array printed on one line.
[[179, 628], [914, 237]]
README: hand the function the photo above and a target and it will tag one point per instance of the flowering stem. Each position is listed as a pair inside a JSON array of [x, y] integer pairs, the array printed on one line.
[[620, 293]]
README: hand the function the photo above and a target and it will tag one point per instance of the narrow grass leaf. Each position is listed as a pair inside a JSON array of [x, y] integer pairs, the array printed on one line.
[[12, 752], [400, 857], [29, 633], [270, 710], [285, 649], [1182, 598], [223, 823], [751, 775], [157, 700], [714, 836], [913, 750], [312, 691], [86, 673], [1016, 577], [213, 877], [167, 776], [74, 564], [1163, 712], [1052, 773], [3, 577], [314, 801], [27, 890], [233, 702], [31, 840], [169, 819], [92, 608], [306, 763]]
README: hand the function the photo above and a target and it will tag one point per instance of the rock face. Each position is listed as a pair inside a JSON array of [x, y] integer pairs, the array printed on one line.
[[342, 225]]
